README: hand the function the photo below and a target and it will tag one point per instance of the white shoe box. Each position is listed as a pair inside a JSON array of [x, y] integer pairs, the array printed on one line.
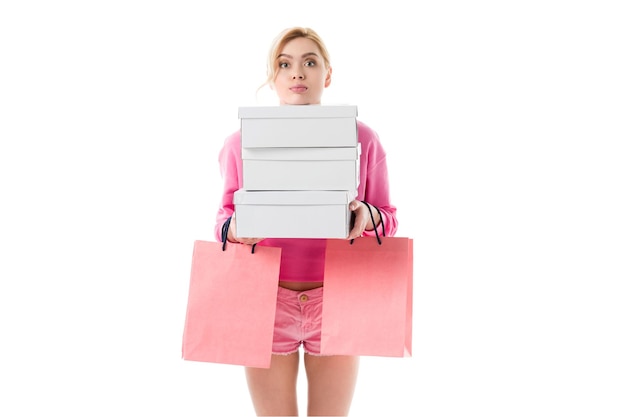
[[298, 126], [301, 168], [293, 214]]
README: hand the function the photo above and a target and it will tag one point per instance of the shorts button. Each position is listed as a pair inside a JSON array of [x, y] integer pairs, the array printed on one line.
[[304, 298]]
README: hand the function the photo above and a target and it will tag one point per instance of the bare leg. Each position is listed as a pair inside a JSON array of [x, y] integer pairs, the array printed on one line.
[[273, 390], [332, 380]]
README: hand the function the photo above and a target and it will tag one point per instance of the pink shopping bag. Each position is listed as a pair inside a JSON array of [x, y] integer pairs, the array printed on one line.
[[368, 297], [232, 304]]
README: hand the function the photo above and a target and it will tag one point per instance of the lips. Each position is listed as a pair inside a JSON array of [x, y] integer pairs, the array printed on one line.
[[298, 88]]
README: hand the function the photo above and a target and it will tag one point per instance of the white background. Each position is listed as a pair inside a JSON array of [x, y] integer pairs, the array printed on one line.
[[504, 128]]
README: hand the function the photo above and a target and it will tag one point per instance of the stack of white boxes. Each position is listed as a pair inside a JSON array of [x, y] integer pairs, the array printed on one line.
[[300, 171]]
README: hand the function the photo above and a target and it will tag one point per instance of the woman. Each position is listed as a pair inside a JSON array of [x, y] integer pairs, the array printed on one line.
[[299, 70]]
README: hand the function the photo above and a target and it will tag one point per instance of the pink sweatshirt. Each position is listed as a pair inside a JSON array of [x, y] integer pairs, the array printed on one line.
[[303, 259]]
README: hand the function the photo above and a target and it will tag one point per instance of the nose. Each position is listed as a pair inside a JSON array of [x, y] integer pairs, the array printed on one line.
[[297, 75]]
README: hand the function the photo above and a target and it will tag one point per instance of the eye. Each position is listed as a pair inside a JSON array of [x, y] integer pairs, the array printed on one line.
[[310, 63], [283, 65]]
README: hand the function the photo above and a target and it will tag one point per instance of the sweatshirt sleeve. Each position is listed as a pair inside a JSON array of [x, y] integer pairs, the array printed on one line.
[[230, 169], [374, 180]]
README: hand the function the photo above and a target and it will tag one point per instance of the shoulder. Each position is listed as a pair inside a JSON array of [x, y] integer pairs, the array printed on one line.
[[231, 147], [367, 136], [232, 142], [364, 129], [234, 139]]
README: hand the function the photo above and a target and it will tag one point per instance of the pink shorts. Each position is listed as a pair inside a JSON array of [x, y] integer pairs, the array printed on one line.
[[298, 321]]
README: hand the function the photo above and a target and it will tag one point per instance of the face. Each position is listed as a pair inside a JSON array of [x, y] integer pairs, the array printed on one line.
[[302, 75]]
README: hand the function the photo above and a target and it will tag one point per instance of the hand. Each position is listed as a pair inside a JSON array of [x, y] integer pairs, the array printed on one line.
[[362, 219], [232, 235]]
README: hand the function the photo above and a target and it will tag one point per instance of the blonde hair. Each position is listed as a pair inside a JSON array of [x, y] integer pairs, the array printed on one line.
[[282, 39]]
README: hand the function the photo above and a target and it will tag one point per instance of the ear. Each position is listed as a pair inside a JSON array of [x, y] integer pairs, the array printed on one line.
[[328, 77]]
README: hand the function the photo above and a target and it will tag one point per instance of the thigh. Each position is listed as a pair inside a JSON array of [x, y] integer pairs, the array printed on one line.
[[332, 380], [273, 390]]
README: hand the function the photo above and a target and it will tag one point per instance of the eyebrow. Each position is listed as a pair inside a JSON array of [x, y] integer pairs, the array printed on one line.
[[303, 55]]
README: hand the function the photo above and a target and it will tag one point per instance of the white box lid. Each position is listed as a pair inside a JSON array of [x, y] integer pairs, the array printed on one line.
[[294, 197], [297, 111]]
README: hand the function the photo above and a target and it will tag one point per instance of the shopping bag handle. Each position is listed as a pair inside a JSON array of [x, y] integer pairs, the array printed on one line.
[[225, 228], [382, 222]]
